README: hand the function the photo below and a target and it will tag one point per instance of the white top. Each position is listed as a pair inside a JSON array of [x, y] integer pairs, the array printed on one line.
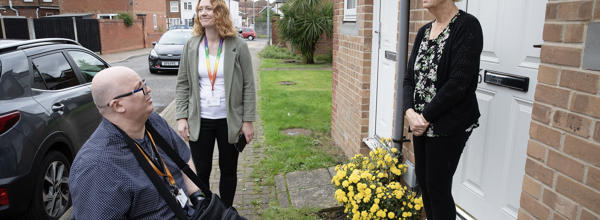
[[206, 110]]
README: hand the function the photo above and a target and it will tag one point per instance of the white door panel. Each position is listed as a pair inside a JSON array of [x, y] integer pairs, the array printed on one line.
[[383, 72], [489, 178]]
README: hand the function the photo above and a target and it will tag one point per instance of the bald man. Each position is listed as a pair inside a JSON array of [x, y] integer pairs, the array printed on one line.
[[106, 181]]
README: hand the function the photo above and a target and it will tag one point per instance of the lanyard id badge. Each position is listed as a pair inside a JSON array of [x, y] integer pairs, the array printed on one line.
[[213, 100], [181, 198]]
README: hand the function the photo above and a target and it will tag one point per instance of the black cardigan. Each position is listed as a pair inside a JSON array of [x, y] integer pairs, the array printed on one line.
[[454, 107]]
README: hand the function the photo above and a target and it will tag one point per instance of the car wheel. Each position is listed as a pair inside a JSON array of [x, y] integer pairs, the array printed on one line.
[[51, 196], [153, 70], [250, 37]]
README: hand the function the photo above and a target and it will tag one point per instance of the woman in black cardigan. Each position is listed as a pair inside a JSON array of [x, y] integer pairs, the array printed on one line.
[[439, 100]]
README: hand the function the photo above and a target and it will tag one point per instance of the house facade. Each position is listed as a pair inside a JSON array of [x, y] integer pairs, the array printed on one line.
[[150, 13], [536, 154], [173, 12], [188, 9], [30, 8]]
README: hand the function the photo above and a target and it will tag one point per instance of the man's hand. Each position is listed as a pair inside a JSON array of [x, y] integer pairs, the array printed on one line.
[[418, 124], [183, 129], [248, 131]]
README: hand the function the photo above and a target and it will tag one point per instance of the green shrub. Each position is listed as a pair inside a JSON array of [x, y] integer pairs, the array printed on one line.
[[127, 18], [275, 52]]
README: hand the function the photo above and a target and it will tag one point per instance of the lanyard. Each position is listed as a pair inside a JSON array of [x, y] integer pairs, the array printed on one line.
[[160, 173], [212, 76]]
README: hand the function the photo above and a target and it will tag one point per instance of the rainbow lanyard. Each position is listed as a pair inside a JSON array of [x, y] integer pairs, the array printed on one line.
[[212, 76]]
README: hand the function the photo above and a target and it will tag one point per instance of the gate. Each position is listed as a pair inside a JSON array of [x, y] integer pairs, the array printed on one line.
[[88, 34], [54, 27], [16, 28]]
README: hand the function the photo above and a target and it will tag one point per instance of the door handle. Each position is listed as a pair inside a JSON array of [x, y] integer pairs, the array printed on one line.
[[58, 107], [377, 32]]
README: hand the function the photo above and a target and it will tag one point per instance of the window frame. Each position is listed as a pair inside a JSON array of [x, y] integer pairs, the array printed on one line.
[[176, 5], [81, 81], [27, 1], [110, 16], [47, 1], [350, 14], [155, 21]]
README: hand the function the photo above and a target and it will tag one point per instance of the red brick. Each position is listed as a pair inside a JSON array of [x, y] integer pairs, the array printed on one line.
[[561, 204], [551, 95], [551, 11], [566, 165], [587, 215], [567, 56], [535, 208], [548, 75], [523, 215], [593, 178], [575, 11], [587, 151], [545, 135], [572, 123], [539, 172], [553, 32], [536, 151], [541, 113], [573, 33], [585, 82], [597, 132], [578, 192], [586, 104], [532, 187], [556, 216]]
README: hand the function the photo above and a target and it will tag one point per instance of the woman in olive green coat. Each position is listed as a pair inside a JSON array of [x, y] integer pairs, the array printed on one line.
[[215, 94]]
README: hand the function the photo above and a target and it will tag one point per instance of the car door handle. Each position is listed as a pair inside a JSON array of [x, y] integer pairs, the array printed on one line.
[[58, 107]]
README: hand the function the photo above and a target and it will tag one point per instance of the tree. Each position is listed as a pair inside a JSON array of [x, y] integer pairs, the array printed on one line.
[[303, 23], [262, 17]]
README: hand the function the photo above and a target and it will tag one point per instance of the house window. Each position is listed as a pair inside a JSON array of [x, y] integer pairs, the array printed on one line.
[[174, 6], [47, 0], [27, 0], [187, 5], [349, 10], [155, 22], [173, 21], [107, 16]]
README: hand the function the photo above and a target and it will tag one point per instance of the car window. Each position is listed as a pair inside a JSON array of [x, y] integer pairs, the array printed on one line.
[[176, 37], [55, 71], [88, 64]]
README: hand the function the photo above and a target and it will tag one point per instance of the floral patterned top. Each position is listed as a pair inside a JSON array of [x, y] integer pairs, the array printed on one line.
[[426, 65]]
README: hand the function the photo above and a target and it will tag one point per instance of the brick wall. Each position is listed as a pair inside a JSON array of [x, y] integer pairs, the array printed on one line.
[[95, 6], [28, 9], [116, 37], [562, 172], [351, 79]]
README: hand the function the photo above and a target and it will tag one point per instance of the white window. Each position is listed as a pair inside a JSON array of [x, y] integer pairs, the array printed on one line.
[[155, 22], [349, 10], [188, 5], [27, 0], [174, 6], [173, 21], [47, 0], [107, 16]]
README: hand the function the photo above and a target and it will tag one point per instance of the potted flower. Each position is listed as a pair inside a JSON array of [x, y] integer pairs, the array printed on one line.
[[369, 187]]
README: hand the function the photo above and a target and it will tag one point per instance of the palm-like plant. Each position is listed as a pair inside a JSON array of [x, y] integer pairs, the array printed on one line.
[[303, 23]]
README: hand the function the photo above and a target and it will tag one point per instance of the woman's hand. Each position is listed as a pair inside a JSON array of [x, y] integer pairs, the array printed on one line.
[[417, 122], [183, 129], [248, 131]]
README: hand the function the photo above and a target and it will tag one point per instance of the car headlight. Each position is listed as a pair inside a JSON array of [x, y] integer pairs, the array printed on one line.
[[153, 53]]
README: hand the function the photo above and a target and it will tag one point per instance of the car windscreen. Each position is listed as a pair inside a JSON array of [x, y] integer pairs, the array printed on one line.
[[176, 37]]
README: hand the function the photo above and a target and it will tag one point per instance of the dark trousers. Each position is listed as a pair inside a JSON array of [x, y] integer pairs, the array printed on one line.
[[202, 154], [436, 159]]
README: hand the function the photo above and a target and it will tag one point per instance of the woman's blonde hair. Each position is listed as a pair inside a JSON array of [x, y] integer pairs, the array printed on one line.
[[222, 20]]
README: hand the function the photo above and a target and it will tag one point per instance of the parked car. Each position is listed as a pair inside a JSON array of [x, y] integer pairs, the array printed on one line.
[[179, 26], [248, 33], [46, 114], [167, 51]]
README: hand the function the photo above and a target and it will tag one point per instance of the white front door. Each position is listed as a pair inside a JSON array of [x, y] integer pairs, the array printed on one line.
[[383, 68], [488, 181]]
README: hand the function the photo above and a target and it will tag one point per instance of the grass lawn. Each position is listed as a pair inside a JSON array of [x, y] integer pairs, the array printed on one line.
[[304, 105], [278, 63]]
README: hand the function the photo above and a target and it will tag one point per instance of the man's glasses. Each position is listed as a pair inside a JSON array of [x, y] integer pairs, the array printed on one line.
[[142, 88]]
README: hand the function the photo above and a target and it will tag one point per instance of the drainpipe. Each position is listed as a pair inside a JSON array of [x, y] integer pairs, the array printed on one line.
[[11, 7], [402, 55], [36, 12]]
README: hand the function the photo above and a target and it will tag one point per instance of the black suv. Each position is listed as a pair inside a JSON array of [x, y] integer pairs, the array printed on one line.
[[46, 114]]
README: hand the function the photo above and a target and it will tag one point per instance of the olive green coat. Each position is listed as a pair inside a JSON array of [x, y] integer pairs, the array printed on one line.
[[240, 93]]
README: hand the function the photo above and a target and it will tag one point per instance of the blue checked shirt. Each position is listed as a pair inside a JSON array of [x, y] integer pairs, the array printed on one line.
[[106, 181]]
